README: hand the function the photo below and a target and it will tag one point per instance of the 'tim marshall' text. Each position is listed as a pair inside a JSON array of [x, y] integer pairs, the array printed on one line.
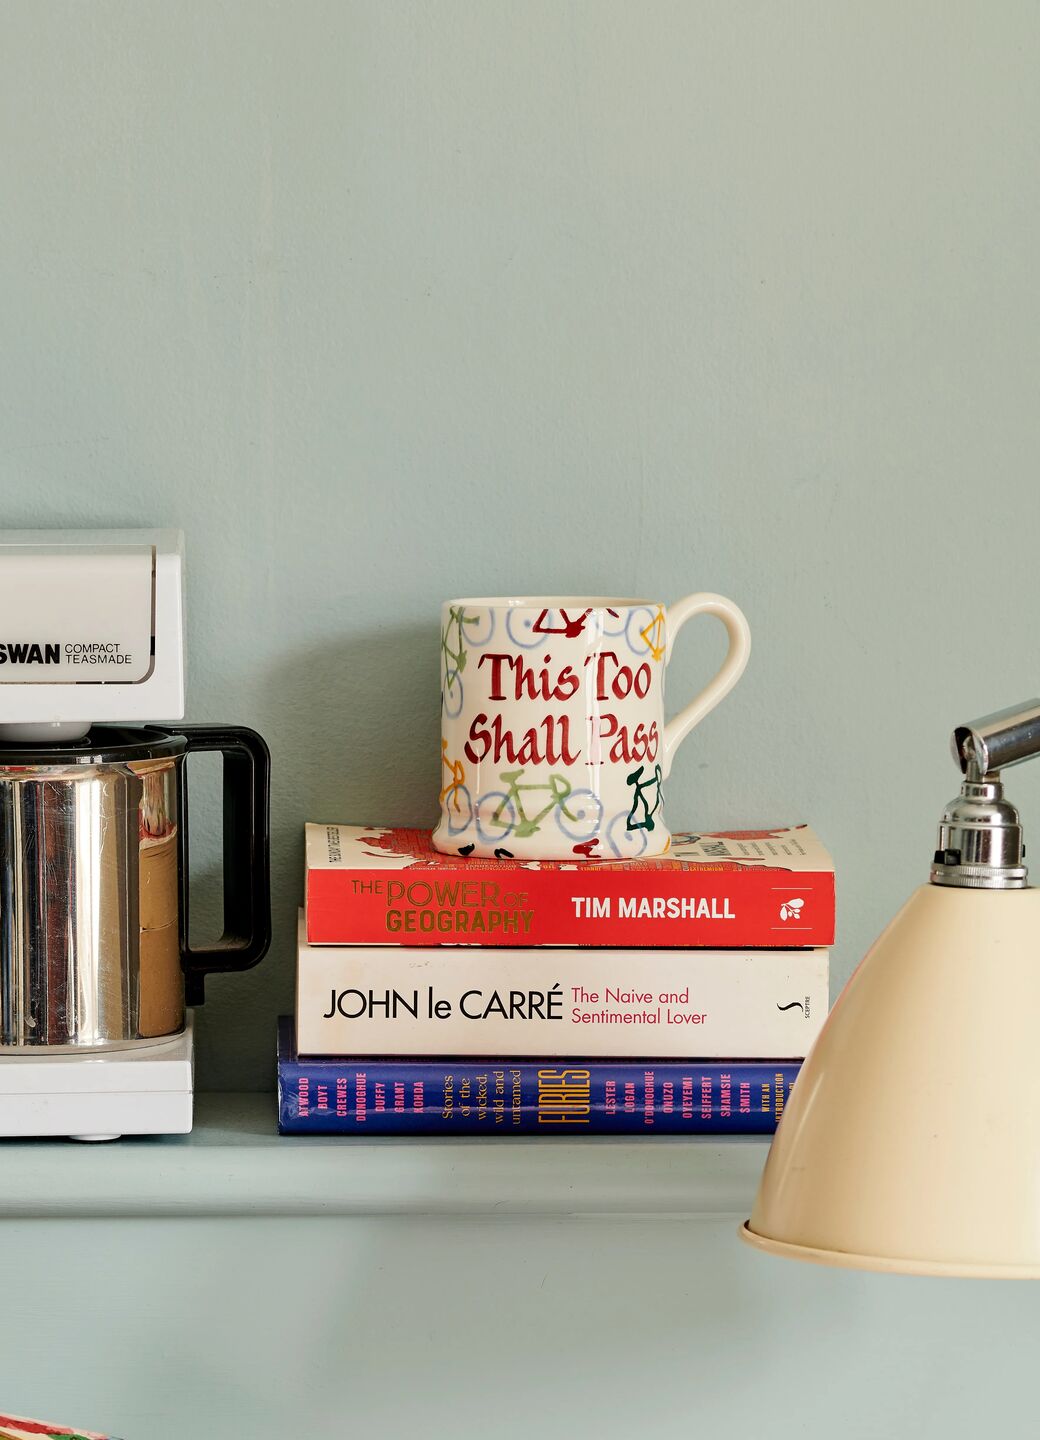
[[481, 907]]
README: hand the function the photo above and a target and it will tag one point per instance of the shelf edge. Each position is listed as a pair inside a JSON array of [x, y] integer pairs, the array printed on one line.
[[234, 1165]]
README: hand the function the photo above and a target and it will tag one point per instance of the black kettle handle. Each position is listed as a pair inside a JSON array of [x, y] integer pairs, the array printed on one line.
[[247, 856]]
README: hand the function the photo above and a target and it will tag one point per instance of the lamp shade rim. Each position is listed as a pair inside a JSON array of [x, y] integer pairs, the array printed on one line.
[[885, 1264]]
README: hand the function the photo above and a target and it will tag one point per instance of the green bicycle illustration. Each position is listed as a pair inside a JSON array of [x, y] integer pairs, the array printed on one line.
[[650, 786], [459, 629], [500, 813]]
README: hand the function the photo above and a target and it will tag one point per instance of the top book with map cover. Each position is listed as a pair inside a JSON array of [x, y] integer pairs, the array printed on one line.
[[372, 885]]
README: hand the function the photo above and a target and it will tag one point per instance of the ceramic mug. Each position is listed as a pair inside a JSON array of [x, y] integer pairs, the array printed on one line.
[[554, 744]]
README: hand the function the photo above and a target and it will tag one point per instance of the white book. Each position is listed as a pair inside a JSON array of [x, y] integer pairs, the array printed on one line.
[[358, 1000]]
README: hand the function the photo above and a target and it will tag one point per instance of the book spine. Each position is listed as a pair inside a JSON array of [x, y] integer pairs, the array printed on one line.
[[600, 905], [503, 1097], [367, 1000]]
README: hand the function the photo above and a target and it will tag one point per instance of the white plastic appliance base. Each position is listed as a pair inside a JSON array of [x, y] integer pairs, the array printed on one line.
[[145, 1091]]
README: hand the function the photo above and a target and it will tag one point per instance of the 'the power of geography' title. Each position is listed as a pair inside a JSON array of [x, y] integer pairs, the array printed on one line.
[[480, 907]]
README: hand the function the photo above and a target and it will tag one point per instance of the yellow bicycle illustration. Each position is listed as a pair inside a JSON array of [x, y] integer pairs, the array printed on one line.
[[456, 801], [653, 634]]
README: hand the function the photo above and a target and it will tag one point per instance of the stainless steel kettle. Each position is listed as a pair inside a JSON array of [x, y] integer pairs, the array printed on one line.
[[94, 889]]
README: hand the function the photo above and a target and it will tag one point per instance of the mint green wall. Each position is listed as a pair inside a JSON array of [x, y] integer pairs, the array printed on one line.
[[386, 302], [462, 1329]]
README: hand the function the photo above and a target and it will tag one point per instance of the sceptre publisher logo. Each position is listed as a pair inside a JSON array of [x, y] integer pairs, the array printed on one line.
[[802, 1005]]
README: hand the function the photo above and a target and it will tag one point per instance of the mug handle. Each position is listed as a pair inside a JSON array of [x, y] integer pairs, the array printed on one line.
[[676, 616]]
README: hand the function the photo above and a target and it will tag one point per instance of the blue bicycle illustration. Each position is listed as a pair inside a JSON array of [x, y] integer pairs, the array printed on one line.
[[642, 629], [625, 844]]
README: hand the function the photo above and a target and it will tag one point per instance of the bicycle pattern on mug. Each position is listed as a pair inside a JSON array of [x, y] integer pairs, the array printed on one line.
[[456, 801], [653, 635], [642, 629], [522, 806], [462, 632], [528, 800], [641, 815]]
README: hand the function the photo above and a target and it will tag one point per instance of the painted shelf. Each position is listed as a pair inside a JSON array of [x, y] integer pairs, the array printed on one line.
[[235, 1163]]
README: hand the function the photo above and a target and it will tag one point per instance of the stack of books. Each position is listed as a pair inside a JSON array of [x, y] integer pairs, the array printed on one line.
[[462, 996]]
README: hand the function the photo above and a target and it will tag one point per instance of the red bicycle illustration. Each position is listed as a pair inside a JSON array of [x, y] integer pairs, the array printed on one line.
[[529, 634]]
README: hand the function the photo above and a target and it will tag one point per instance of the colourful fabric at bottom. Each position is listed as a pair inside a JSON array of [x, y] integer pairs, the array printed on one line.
[[17, 1427]]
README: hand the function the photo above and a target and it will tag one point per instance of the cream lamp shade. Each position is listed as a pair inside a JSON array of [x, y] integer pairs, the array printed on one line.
[[911, 1139]]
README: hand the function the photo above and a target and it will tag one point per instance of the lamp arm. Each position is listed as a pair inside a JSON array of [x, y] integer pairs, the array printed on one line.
[[1007, 737], [980, 835]]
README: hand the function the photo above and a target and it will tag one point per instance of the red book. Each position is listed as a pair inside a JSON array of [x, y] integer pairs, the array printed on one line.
[[371, 885]]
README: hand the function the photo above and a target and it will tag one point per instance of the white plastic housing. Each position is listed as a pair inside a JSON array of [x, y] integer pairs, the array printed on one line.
[[142, 1091], [91, 629]]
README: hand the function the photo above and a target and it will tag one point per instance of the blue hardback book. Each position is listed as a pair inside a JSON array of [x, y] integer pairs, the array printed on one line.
[[496, 1096]]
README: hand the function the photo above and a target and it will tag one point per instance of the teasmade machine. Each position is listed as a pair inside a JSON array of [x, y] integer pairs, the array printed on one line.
[[97, 974]]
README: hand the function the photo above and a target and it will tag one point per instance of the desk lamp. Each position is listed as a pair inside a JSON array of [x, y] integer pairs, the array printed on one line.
[[911, 1141]]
